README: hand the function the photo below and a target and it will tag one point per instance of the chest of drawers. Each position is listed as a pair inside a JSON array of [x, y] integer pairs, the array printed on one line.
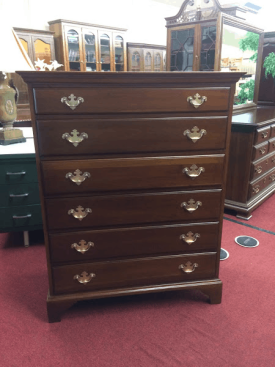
[[132, 170], [20, 208], [251, 171]]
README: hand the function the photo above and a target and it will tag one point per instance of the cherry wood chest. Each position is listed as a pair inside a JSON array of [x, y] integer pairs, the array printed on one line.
[[132, 171]]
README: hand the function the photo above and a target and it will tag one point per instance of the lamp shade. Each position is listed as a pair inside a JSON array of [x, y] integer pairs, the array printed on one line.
[[13, 56]]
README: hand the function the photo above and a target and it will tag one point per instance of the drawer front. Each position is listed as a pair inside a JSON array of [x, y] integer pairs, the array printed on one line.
[[271, 145], [262, 166], [257, 186], [17, 172], [133, 242], [131, 135], [74, 176], [260, 151], [128, 100], [16, 195], [133, 273], [272, 131], [20, 217], [130, 209], [262, 135]]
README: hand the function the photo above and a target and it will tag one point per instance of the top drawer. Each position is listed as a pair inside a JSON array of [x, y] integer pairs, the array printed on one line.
[[16, 172], [127, 100], [262, 135]]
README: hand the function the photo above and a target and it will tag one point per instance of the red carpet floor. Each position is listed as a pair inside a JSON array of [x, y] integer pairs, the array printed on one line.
[[262, 217], [159, 330]]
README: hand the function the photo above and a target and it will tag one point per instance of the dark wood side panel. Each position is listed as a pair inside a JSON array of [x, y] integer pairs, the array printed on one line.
[[129, 100], [133, 272], [133, 209], [240, 154], [130, 135], [133, 242], [131, 174]]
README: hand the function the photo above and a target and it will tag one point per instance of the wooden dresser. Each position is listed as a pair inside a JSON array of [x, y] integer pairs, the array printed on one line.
[[132, 170], [251, 170]]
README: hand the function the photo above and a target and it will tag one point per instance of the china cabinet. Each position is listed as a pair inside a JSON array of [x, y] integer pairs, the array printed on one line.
[[37, 44], [145, 57], [89, 47]]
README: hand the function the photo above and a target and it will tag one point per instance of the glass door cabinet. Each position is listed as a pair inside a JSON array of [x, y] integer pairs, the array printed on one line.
[[145, 57], [38, 45], [88, 47], [205, 36]]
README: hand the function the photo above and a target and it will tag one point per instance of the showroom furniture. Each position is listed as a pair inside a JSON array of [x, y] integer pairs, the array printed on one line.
[[20, 208], [37, 44], [89, 47], [145, 57], [132, 181]]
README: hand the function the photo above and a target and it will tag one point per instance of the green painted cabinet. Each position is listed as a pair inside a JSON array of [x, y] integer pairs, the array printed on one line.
[[20, 208]]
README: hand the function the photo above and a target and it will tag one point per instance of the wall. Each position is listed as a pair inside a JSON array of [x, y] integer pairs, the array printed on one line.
[[144, 19]]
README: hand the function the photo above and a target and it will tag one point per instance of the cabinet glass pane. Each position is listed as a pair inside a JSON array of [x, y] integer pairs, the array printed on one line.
[[89, 39], [119, 53], [73, 49], [208, 44], [182, 49], [157, 62], [25, 45], [42, 51], [148, 62], [105, 52], [136, 61]]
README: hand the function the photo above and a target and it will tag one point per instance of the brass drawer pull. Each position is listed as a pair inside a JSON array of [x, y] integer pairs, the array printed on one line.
[[258, 169], [256, 189], [19, 196], [15, 173], [77, 176], [264, 135], [195, 135], [193, 171], [84, 278], [21, 216], [272, 178], [188, 267], [196, 100], [262, 151], [273, 160], [273, 145], [191, 206], [80, 213], [72, 101], [75, 139], [82, 247], [190, 238]]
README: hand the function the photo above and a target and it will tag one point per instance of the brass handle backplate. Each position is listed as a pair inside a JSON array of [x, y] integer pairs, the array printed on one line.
[[188, 267], [190, 237], [196, 100], [262, 151], [72, 101], [83, 246], [77, 177], [264, 135], [84, 278], [195, 135], [256, 189], [75, 138], [191, 206], [80, 213], [193, 171], [272, 178], [258, 169]]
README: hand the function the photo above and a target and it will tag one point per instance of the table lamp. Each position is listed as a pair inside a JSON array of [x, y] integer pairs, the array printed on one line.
[[13, 57]]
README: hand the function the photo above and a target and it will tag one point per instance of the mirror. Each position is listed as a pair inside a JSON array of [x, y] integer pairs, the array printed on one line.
[[239, 53]]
